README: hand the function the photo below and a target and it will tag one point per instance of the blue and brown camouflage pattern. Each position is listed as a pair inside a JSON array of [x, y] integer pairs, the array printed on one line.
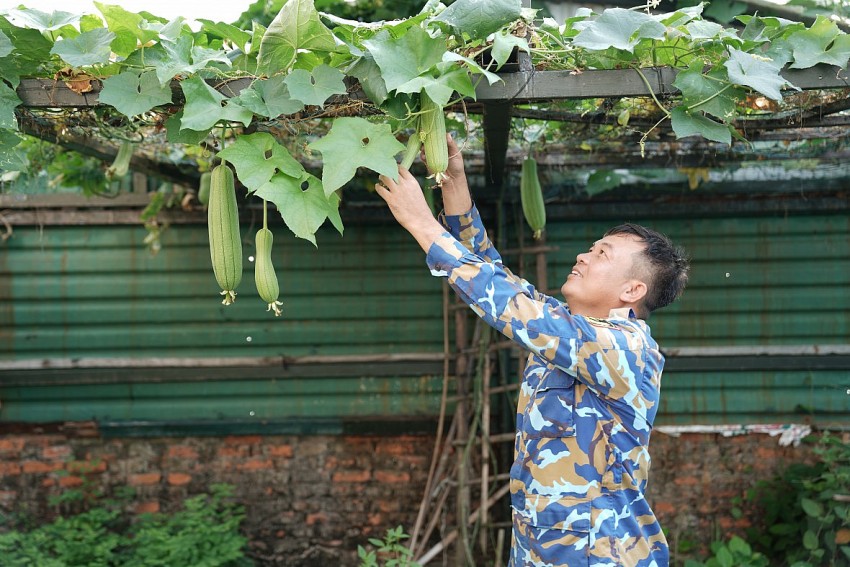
[[587, 402]]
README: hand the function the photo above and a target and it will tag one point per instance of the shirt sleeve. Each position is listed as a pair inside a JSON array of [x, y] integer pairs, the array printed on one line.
[[608, 359], [469, 230]]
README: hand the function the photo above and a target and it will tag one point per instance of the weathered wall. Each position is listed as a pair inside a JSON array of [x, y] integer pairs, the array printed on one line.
[[311, 500]]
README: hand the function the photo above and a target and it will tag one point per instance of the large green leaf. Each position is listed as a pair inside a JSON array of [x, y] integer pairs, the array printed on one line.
[[441, 88], [12, 158], [710, 93], [296, 26], [404, 58], [694, 123], [8, 101], [301, 202], [129, 28], [134, 93], [822, 43], [371, 80], [355, 142], [257, 157], [227, 32], [756, 72], [182, 57], [205, 106], [480, 18], [43, 21], [315, 87], [89, 48], [6, 46], [269, 98], [619, 28]]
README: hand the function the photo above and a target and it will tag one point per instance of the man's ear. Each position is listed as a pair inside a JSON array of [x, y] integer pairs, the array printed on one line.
[[633, 292]]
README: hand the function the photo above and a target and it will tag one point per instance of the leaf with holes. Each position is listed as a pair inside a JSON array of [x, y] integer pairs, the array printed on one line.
[[355, 142], [756, 72], [619, 28], [297, 26], [134, 93], [690, 124], [205, 106], [317, 87], [822, 43], [301, 202], [257, 157]]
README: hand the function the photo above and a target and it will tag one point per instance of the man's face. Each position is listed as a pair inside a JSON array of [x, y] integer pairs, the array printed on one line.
[[601, 275]]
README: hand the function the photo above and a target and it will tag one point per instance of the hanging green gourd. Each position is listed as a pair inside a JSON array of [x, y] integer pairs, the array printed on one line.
[[531, 195], [264, 274], [225, 240]]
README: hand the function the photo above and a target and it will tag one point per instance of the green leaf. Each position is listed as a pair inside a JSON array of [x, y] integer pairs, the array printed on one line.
[[43, 21], [12, 158], [182, 57], [619, 28], [8, 101], [227, 32], [724, 11], [689, 124], [811, 507], [296, 26], [355, 142], [333, 212], [441, 88], [405, 58], [480, 18], [822, 43], [710, 93], [317, 87], [740, 547], [756, 72], [810, 540], [6, 46], [303, 209], [176, 135], [450, 56], [129, 28], [602, 180], [205, 106], [724, 558], [504, 43], [269, 98], [371, 80], [257, 157], [89, 48], [134, 93]]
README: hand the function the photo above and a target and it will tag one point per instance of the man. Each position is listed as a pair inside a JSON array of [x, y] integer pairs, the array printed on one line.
[[590, 387]]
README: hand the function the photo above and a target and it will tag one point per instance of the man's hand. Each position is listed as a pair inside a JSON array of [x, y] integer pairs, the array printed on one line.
[[408, 206]]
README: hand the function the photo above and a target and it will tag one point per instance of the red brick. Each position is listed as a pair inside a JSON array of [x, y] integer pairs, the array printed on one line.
[[179, 479], [182, 452], [255, 465], [392, 477], [145, 479], [317, 518], [11, 445], [8, 469], [232, 452], [280, 451], [376, 519], [352, 476], [97, 466], [56, 452], [686, 481], [398, 446], [664, 508], [37, 467], [243, 440], [151, 507], [70, 481]]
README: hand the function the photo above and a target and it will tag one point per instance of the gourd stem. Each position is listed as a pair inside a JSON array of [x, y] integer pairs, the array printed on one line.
[[265, 214]]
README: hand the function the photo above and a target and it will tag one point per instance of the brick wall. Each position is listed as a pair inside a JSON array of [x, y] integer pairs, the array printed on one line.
[[311, 500]]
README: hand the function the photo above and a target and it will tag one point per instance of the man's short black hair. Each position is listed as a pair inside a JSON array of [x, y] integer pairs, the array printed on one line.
[[667, 262]]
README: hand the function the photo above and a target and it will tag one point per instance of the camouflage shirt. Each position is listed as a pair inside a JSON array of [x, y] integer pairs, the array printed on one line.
[[587, 402]]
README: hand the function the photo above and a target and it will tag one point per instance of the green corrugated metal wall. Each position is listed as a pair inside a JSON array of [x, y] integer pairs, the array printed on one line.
[[93, 292]]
